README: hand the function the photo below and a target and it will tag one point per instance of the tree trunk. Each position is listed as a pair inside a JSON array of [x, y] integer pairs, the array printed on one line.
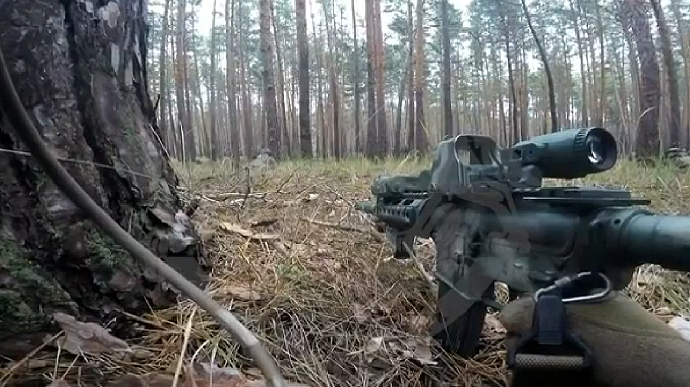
[[602, 69], [355, 60], [381, 126], [304, 109], [445, 38], [685, 53], [647, 144], [371, 82], [230, 80], [163, 131], [246, 103], [670, 66], [420, 124], [333, 84], [215, 154], [411, 140], [53, 258], [547, 70], [267, 73], [282, 121], [179, 78]]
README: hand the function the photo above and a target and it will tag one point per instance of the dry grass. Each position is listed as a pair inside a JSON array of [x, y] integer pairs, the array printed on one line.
[[322, 296]]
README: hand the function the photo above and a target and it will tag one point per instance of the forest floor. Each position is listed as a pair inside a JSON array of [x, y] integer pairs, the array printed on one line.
[[306, 272]]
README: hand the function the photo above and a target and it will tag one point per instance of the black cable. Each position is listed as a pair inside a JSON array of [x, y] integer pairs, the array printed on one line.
[[25, 129]]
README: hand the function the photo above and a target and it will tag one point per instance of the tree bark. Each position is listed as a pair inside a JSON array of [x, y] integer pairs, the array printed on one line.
[[53, 258]]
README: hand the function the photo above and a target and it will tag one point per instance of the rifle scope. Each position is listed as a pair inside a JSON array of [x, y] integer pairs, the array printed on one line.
[[570, 153]]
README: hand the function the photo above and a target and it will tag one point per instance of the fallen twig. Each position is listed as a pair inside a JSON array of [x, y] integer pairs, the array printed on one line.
[[237, 195], [273, 239], [346, 227]]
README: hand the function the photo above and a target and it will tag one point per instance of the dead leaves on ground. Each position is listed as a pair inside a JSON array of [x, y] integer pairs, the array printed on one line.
[[196, 375], [238, 229], [381, 352], [89, 338]]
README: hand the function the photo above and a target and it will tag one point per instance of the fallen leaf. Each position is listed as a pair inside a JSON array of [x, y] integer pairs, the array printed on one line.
[[420, 347], [240, 292], [89, 338], [237, 229], [202, 374]]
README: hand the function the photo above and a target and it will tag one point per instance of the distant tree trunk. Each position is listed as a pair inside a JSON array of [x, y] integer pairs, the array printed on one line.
[[647, 144], [215, 154], [282, 121], [411, 140], [54, 259], [602, 76], [381, 126], [163, 131], [422, 144], [670, 66], [230, 80], [371, 82], [355, 60], [333, 85], [549, 79], [267, 72], [179, 78], [197, 83], [246, 104], [304, 108], [580, 52], [685, 53], [445, 38]]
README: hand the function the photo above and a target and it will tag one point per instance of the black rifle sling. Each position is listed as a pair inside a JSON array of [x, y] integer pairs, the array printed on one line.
[[548, 354]]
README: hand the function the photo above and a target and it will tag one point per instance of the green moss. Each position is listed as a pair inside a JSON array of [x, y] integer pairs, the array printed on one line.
[[28, 292], [104, 254]]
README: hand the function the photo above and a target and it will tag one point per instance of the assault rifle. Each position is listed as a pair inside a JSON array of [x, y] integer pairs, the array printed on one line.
[[492, 222]]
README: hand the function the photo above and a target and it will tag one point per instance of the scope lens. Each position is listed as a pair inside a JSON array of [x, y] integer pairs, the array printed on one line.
[[596, 151]]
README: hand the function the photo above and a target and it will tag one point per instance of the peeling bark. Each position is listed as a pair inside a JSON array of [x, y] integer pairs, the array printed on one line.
[[80, 71]]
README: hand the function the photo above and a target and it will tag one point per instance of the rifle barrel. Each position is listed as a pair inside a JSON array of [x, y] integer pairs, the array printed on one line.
[[639, 237]]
